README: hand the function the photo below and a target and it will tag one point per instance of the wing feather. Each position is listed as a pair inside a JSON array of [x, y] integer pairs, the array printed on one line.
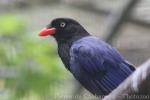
[[98, 64]]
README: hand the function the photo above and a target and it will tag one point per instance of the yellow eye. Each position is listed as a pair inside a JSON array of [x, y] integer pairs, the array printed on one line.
[[63, 24]]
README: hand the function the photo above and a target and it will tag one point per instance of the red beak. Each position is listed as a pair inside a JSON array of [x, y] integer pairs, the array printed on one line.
[[47, 31]]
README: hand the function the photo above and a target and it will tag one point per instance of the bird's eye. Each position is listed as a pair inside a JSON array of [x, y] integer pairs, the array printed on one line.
[[63, 24]]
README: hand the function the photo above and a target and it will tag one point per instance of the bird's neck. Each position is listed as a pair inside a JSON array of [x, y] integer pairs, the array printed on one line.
[[64, 49], [70, 40]]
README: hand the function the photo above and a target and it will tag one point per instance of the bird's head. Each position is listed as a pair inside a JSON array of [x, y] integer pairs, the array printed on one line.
[[63, 29]]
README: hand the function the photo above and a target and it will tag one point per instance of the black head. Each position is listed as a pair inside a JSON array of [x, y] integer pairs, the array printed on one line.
[[64, 29]]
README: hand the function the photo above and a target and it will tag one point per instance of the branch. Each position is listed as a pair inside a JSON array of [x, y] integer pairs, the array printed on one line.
[[116, 21], [105, 12], [135, 86]]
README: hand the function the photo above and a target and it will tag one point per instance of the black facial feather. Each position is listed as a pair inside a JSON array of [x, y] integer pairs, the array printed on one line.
[[67, 31], [70, 29]]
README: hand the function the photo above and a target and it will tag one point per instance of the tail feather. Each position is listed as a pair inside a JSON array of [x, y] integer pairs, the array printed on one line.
[[131, 66]]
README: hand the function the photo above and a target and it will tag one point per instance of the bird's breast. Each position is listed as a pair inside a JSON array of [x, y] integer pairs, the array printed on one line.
[[63, 51]]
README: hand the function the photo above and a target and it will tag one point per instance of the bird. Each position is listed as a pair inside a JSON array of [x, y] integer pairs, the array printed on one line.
[[98, 66]]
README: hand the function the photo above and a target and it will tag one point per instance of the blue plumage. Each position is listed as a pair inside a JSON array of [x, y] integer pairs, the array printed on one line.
[[97, 65]]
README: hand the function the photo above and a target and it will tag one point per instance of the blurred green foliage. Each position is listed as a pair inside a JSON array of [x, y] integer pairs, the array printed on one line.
[[10, 24], [37, 67]]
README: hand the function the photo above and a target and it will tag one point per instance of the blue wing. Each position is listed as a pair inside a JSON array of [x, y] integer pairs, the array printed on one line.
[[98, 66]]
